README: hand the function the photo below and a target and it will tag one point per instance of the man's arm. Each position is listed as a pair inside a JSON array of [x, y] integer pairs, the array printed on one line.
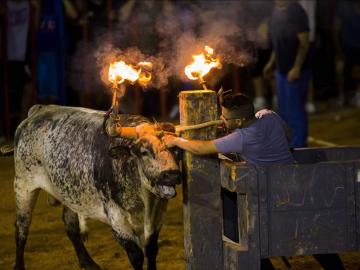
[[196, 147], [303, 49], [270, 65]]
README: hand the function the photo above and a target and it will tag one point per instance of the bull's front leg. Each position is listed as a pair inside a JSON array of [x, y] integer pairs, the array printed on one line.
[[151, 250], [155, 209], [134, 252]]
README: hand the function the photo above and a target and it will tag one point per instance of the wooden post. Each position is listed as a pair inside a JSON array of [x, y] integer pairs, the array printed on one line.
[[201, 186]]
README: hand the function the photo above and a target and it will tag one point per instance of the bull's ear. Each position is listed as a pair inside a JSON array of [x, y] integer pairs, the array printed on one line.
[[167, 127], [117, 152], [135, 147]]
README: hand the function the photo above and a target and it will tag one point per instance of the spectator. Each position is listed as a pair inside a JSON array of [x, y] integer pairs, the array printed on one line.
[[289, 30], [347, 42], [18, 23], [310, 8], [263, 54], [51, 53], [323, 68]]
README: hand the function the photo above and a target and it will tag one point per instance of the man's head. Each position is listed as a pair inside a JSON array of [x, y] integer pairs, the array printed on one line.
[[237, 110]]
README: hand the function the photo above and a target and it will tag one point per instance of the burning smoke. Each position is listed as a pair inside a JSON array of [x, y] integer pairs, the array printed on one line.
[[132, 56], [168, 33]]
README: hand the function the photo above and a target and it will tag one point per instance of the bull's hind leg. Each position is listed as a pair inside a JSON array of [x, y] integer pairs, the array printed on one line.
[[72, 229], [134, 252], [25, 199]]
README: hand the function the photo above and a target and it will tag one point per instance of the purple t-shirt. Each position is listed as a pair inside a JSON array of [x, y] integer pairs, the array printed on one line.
[[263, 142]]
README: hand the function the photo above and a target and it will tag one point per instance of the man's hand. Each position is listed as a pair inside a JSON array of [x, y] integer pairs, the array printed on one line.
[[169, 140], [268, 71], [262, 112], [293, 74]]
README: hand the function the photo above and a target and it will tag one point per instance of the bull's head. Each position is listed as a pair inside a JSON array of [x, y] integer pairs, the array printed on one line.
[[158, 166]]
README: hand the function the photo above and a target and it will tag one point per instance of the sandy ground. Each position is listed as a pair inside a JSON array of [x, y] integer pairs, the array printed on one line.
[[49, 248]]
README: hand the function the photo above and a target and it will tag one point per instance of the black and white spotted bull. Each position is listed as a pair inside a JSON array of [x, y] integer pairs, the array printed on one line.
[[124, 183]]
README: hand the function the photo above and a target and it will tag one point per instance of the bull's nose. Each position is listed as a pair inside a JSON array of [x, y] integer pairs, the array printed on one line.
[[169, 178]]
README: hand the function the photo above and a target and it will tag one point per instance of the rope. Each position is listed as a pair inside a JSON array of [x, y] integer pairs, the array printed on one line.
[[179, 129]]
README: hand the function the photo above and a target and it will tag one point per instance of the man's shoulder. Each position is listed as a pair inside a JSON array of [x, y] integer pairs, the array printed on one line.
[[271, 122], [271, 117]]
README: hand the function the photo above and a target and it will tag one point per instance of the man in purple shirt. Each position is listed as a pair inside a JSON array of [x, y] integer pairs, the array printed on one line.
[[258, 140]]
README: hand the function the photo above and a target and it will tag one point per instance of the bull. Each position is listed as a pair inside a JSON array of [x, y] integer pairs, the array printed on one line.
[[123, 182]]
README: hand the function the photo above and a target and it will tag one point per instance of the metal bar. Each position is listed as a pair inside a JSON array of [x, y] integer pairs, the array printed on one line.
[[138, 91]]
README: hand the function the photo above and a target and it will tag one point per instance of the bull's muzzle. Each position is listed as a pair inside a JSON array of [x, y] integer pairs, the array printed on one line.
[[169, 178]]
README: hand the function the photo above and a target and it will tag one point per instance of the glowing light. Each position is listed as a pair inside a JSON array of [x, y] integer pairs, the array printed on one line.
[[120, 71], [202, 64]]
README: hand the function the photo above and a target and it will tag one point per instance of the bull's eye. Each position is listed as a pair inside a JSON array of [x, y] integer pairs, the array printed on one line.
[[145, 152]]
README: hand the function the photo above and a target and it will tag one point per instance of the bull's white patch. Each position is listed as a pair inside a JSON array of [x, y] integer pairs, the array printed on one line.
[[358, 176]]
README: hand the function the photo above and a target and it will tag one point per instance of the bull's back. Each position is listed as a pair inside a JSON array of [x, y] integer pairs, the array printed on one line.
[[68, 149]]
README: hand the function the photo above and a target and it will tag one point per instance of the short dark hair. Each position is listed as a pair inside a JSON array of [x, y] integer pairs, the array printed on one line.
[[239, 103]]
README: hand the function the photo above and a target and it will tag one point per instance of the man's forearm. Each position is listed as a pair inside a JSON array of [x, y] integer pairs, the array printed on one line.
[[196, 147], [302, 50], [271, 62]]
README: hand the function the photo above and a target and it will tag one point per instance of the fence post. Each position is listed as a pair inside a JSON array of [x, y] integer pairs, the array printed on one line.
[[201, 186]]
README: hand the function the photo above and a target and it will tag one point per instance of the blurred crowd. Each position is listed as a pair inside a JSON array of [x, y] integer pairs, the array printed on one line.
[[308, 47]]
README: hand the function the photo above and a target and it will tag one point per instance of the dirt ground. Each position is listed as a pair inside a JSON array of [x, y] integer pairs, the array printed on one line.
[[49, 248]]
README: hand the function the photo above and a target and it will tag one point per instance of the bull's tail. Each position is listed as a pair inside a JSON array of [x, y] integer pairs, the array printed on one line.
[[7, 150]]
